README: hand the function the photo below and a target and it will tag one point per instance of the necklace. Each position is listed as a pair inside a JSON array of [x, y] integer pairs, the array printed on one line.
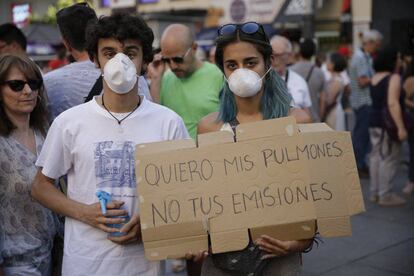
[[287, 76], [121, 120]]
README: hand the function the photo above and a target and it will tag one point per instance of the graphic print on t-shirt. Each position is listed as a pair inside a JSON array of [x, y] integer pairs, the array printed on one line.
[[114, 164]]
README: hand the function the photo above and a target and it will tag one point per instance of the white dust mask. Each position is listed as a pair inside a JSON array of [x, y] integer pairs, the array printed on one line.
[[245, 83], [120, 74]]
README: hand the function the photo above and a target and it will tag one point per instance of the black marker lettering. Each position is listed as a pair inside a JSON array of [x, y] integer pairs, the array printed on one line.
[[171, 212], [267, 153], [152, 179], [323, 187], [215, 200], [268, 196], [235, 203], [315, 198], [162, 216], [334, 145]]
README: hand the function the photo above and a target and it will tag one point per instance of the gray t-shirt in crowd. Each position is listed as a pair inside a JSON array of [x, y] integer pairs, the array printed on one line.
[[68, 86], [316, 83]]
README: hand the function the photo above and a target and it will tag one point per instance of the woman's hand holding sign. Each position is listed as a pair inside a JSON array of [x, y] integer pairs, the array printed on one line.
[[196, 257], [279, 248]]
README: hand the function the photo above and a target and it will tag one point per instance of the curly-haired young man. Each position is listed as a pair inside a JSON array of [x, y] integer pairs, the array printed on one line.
[[94, 143], [72, 84]]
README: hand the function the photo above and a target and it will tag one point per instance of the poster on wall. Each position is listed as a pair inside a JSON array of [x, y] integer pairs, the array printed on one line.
[[262, 11], [21, 14]]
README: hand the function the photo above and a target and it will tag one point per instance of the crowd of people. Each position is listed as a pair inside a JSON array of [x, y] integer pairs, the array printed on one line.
[[70, 133]]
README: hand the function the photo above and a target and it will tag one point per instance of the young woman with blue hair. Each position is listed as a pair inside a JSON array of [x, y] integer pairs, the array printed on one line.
[[244, 55], [253, 92]]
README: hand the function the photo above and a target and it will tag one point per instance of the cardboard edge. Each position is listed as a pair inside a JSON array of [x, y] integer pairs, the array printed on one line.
[[335, 226], [175, 248], [174, 240], [229, 240], [287, 232], [314, 127], [285, 126], [172, 231], [353, 189], [214, 138], [162, 146]]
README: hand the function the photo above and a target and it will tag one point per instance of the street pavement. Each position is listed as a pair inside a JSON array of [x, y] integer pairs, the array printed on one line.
[[382, 241]]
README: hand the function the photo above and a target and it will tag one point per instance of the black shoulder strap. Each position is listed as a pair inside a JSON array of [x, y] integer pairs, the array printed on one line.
[[388, 78], [96, 89], [310, 73], [234, 123]]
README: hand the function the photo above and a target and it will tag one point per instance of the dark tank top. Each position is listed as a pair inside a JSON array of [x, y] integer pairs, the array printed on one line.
[[379, 94]]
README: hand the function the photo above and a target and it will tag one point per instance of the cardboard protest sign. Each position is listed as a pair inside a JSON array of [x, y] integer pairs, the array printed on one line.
[[279, 179]]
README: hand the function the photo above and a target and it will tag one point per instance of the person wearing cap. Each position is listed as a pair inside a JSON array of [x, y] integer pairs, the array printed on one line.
[[360, 73], [94, 144], [190, 87], [70, 85]]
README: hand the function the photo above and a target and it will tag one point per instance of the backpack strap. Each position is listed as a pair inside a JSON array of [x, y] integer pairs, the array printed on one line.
[[95, 90], [310, 73]]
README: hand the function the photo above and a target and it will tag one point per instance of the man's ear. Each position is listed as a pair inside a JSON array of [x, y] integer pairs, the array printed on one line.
[[272, 59], [144, 67], [194, 46], [97, 65], [16, 47], [96, 62], [67, 46]]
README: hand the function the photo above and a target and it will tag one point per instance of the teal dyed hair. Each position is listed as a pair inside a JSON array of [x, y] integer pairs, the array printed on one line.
[[275, 101]]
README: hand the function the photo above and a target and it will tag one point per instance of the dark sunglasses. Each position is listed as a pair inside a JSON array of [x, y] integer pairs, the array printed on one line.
[[18, 85], [249, 28], [176, 60]]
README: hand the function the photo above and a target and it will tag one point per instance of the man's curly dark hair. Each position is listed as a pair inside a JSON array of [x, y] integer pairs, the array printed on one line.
[[120, 26]]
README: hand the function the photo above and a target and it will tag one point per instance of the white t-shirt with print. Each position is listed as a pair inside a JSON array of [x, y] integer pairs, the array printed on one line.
[[298, 88], [86, 143]]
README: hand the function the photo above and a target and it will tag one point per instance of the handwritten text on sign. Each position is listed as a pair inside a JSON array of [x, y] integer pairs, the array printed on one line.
[[255, 179]]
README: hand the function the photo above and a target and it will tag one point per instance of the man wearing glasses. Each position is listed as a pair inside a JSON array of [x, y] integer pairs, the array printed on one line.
[[190, 87], [297, 86]]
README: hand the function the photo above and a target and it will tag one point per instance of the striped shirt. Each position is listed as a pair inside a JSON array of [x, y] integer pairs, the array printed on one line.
[[361, 66]]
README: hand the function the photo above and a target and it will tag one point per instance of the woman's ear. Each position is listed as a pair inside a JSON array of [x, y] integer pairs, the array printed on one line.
[[268, 63], [144, 67], [272, 59]]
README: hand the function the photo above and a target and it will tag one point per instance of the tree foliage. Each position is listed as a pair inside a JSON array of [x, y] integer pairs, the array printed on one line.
[[50, 16]]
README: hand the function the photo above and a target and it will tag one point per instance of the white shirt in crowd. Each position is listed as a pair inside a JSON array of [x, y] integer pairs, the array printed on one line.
[[344, 75], [86, 143], [298, 88]]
